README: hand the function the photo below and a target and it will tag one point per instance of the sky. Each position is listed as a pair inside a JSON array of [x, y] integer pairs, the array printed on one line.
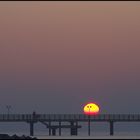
[[57, 56]]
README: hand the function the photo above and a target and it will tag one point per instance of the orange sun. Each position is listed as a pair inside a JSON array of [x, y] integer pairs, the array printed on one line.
[[91, 109]]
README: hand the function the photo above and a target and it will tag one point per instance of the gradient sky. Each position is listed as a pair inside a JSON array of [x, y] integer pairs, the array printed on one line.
[[57, 56]]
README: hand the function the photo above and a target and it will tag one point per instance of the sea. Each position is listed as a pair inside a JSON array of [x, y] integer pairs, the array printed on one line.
[[98, 131]]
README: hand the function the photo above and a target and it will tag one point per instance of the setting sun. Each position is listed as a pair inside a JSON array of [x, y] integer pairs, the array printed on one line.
[[91, 109]]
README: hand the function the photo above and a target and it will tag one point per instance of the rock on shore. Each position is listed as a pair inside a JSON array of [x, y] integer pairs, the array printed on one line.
[[6, 136]]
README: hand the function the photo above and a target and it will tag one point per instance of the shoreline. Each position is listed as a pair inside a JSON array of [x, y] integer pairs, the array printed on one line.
[[88, 137]]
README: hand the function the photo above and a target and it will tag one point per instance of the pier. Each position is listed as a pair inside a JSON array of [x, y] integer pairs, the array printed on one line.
[[71, 119]]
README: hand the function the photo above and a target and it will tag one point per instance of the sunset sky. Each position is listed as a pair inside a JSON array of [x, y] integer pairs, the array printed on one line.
[[57, 56]]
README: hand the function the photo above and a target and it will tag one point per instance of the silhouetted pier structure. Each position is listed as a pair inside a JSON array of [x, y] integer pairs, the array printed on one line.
[[71, 119]]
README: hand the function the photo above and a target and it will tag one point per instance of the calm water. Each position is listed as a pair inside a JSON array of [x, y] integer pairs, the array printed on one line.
[[98, 130]]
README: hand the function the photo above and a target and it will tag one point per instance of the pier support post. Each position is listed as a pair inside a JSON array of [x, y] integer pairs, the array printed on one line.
[[59, 128], [31, 128], [76, 128], [49, 128], [73, 129], [89, 125], [111, 128], [53, 131]]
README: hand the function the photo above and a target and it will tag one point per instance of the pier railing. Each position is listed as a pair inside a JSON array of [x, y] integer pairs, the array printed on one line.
[[69, 117]]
